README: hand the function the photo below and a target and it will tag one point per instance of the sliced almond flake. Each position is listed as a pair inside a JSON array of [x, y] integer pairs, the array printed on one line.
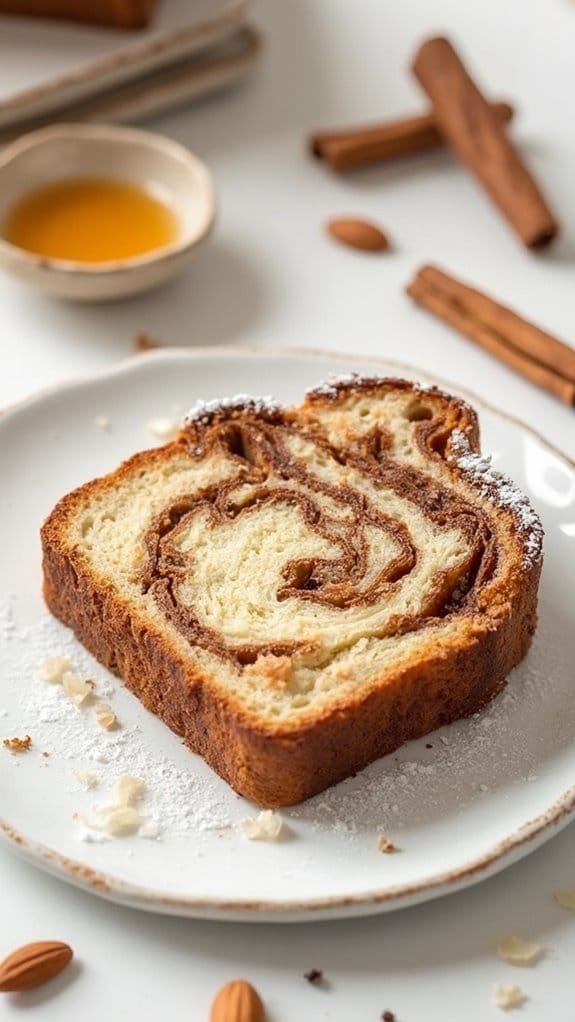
[[507, 995], [385, 844], [105, 716], [163, 428], [565, 898], [53, 669], [267, 826], [119, 821], [77, 689], [518, 951], [86, 777], [128, 790]]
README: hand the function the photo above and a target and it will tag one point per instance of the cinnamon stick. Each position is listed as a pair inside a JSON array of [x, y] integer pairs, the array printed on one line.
[[534, 354], [350, 148], [468, 123]]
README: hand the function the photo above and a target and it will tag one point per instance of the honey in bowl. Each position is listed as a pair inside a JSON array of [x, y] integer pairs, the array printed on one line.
[[91, 220]]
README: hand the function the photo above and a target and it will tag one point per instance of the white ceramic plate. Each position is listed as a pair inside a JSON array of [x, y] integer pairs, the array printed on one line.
[[47, 64], [488, 791]]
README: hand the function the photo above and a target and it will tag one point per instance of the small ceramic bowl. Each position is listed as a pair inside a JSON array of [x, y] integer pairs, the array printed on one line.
[[85, 150]]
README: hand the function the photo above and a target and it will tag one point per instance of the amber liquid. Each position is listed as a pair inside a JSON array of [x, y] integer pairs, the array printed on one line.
[[91, 220]]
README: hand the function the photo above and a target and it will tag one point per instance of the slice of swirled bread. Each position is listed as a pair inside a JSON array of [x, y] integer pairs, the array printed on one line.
[[299, 591]]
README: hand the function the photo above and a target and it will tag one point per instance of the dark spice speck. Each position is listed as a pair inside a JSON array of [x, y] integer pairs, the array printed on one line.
[[313, 976]]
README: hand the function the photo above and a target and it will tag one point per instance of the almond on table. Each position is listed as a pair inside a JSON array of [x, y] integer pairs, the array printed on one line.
[[34, 964], [237, 1001], [360, 234]]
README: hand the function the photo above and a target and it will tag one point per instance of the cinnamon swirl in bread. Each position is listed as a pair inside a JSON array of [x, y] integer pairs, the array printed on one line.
[[298, 591]]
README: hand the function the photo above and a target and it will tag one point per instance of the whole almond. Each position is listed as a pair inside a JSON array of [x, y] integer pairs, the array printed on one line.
[[237, 1001], [34, 964], [358, 234]]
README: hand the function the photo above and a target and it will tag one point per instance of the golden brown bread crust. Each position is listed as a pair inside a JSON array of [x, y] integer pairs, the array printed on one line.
[[277, 765], [115, 13]]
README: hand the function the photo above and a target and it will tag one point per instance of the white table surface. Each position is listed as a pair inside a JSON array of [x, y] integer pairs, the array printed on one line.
[[270, 277]]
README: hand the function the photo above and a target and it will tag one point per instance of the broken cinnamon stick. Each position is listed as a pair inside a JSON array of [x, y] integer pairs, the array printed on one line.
[[350, 148], [534, 354], [468, 123]]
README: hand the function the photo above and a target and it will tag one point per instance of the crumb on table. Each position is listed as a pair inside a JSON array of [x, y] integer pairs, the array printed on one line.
[[143, 342], [507, 995], [314, 976]]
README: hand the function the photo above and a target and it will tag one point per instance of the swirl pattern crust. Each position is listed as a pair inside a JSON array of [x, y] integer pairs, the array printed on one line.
[[299, 591]]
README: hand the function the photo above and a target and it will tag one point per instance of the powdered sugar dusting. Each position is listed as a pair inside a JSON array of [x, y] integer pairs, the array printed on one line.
[[7, 623], [335, 382], [472, 760], [498, 489], [176, 801], [202, 411]]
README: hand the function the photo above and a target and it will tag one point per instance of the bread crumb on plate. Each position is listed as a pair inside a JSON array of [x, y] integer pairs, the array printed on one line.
[[18, 744], [385, 844]]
